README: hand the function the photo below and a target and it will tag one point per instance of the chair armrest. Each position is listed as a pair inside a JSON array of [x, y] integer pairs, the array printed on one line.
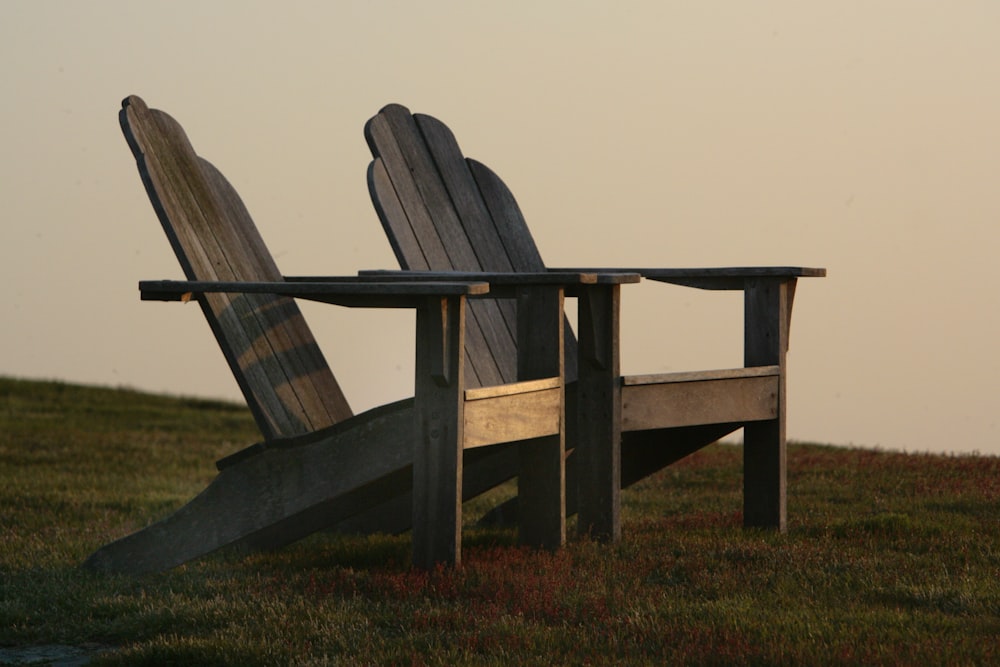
[[504, 284], [350, 292], [726, 278]]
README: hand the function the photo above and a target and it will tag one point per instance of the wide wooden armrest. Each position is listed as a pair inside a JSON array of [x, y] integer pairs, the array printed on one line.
[[723, 278], [504, 284], [351, 292]]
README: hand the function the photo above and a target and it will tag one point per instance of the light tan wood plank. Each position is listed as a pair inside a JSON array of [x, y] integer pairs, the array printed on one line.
[[512, 388], [512, 417], [699, 376], [669, 405]]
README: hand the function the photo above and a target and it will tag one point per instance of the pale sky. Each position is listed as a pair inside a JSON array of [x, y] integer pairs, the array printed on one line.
[[863, 136]]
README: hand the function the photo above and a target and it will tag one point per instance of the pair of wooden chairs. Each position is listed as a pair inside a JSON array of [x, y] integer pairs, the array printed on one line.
[[502, 387]]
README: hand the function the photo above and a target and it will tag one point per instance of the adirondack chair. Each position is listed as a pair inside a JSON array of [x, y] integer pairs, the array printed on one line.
[[319, 465], [445, 213]]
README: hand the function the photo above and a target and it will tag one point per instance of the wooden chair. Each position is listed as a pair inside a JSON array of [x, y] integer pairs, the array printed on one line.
[[445, 213], [406, 463]]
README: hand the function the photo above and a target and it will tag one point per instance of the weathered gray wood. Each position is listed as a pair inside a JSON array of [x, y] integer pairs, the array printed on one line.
[[515, 236], [722, 278], [466, 211], [668, 404], [389, 207], [439, 421], [411, 183], [542, 472], [503, 237], [514, 241], [287, 487], [767, 304], [496, 279], [357, 293], [272, 354], [292, 488], [276, 497], [417, 253], [597, 440], [469, 206], [426, 203], [317, 391], [400, 186]]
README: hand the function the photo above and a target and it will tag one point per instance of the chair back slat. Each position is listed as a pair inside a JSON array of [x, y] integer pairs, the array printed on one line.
[[444, 212], [427, 232], [272, 353]]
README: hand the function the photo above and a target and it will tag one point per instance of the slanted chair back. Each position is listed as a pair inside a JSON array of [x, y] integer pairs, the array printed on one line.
[[443, 212], [272, 353]]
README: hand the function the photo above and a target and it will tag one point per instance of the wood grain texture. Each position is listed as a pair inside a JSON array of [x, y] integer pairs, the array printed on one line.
[[767, 314], [667, 405], [514, 242], [304, 477], [526, 387], [273, 355], [511, 417], [353, 293], [721, 278], [440, 218], [541, 480], [278, 496], [688, 409], [439, 406], [598, 414], [701, 376], [409, 181]]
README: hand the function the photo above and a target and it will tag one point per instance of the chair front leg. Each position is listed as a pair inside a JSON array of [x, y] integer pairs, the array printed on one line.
[[439, 416], [768, 304], [597, 443], [542, 461]]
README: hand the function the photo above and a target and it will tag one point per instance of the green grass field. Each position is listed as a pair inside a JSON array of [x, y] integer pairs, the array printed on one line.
[[889, 559]]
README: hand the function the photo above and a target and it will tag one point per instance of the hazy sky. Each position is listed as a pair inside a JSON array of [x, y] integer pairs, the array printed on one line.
[[859, 136]]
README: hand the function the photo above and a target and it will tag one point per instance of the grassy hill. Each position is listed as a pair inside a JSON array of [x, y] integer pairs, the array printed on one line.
[[890, 559]]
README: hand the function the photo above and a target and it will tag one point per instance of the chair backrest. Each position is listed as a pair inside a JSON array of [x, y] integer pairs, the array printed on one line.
[[443, 212], [272, 353]]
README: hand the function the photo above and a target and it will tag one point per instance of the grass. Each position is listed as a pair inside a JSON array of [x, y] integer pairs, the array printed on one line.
[[890, 559]]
